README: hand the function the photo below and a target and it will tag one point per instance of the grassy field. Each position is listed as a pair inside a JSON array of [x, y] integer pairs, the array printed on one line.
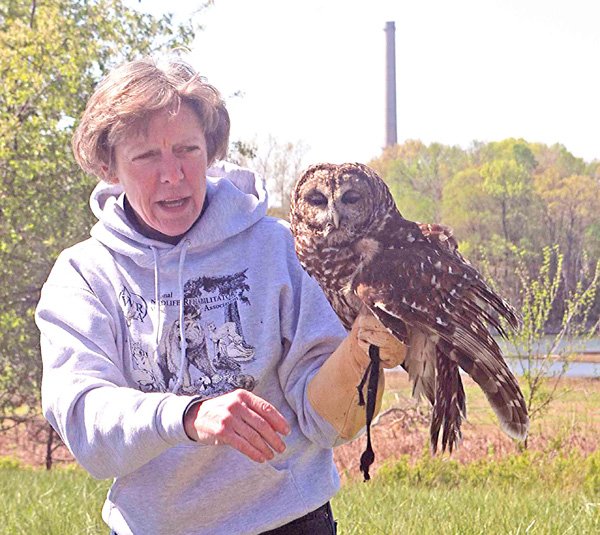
[[534, 493], [392, 507], [59, 502], [486, 487]]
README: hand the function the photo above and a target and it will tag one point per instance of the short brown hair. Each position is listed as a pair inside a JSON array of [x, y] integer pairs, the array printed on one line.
[[129, 94]]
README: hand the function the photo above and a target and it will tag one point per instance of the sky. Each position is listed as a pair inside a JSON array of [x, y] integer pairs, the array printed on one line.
[[313, 72]]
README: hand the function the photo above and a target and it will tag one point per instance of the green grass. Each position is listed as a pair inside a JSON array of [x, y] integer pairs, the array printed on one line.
[[394, 508], [63, 501], [531, 493]]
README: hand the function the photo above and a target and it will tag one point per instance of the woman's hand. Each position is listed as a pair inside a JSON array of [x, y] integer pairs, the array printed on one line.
[[241, 420]]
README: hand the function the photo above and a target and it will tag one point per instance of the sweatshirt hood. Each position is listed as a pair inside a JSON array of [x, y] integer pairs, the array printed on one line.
[[236, 199]]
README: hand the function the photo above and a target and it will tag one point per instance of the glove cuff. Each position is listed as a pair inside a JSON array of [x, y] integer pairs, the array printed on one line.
[[333, 392]]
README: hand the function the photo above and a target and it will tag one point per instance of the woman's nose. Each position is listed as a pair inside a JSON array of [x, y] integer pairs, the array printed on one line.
[[171, 169]]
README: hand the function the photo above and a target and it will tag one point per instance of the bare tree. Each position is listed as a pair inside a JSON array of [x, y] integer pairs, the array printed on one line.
[[279, 163]]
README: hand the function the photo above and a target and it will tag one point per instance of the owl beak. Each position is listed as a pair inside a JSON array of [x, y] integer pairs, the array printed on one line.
[[335, 217]]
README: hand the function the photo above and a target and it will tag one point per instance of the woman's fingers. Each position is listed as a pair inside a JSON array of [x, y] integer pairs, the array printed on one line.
[[258, 426], [251, 447], [266, 411]]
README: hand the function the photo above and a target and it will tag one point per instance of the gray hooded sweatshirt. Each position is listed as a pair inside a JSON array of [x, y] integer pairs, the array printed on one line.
[[133, 330]]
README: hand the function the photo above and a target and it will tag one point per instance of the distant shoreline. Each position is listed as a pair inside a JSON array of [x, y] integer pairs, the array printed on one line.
[[592, 358]]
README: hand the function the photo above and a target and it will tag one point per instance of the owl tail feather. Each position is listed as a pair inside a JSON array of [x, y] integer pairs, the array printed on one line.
[[449, 407], [501, 390], [372, 375]]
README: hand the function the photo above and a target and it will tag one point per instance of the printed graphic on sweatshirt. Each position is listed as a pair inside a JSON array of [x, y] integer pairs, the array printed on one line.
[[215, 348], [134, 305]]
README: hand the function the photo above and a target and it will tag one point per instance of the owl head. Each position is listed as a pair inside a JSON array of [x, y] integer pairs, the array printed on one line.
[[337, 204]]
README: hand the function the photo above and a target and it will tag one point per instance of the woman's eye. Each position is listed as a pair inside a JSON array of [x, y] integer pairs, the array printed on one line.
[[350, 197], [144, 155], [316, 198], [188, 148]]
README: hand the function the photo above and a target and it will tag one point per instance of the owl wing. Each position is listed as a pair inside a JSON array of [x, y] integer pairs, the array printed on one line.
[[441, 235], [431, 289]]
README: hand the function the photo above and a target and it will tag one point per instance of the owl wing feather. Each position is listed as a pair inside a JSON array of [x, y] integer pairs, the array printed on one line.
[[435, 292]]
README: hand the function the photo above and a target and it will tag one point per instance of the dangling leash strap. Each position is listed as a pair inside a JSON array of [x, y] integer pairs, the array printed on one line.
[[372, 374]]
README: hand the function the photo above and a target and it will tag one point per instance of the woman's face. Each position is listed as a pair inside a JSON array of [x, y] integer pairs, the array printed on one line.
[[163, 171]]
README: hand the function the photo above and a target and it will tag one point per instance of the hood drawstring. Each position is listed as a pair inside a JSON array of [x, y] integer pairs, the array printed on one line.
[[157, 295], [183, 342]]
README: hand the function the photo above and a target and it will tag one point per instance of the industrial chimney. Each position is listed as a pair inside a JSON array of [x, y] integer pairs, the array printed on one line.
[[391, 132]]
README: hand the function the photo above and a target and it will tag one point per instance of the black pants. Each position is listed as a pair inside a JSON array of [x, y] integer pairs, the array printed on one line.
[[318, 522]]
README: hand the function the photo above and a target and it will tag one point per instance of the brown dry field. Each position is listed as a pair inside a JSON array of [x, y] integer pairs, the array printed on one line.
[[593, 358], [587, 357], [571, 422]]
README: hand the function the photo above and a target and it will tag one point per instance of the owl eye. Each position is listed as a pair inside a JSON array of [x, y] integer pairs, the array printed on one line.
[[316, 198], [351, 197]]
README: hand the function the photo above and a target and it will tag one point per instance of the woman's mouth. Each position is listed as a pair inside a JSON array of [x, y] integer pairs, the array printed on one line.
[[172, 203]]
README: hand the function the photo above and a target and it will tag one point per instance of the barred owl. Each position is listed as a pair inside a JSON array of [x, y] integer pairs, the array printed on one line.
[[352, 239]]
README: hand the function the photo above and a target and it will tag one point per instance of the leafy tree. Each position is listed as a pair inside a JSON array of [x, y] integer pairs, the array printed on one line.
[[52, 53], [572, 205], [468, 208], [241, 152], [570, 191], [508, 184], [416, 174], [558, 158]]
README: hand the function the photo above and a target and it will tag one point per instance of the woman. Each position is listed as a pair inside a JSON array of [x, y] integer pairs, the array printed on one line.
[[197, 438]]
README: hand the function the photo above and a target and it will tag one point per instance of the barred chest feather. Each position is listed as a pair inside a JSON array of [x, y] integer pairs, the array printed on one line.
[[334, 268]]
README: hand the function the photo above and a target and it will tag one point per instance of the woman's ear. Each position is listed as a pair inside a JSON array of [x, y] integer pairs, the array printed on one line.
[[107, 176]]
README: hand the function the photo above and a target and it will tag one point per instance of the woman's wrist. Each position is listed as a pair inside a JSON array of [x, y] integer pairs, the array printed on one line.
[[189, 419]]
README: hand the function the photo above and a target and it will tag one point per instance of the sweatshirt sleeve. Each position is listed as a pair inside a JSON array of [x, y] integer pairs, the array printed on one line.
[[110, 428], [311, 332]]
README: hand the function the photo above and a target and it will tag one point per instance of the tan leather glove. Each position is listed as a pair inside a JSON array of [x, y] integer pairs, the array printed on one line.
[[332, 391], [371, 332]]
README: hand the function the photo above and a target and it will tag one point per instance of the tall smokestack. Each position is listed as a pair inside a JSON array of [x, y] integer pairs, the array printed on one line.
[[391, 132]]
